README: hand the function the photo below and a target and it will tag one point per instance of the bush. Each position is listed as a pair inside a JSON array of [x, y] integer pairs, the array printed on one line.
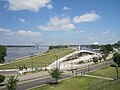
[[2, 78], [3, 53], [95, 59], [11, 83], [116, 58], [20, 68]]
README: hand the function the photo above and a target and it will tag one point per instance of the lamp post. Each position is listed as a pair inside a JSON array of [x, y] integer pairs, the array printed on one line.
[[76, 71], [71, 65], [45, 65], [59, 64], [31, 55], [72, 68], [88, 68], [56, 57]]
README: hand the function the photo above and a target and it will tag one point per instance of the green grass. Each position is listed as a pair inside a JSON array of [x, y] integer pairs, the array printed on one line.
[[76, 83], [109, 72], [39, 61], [113, 85]]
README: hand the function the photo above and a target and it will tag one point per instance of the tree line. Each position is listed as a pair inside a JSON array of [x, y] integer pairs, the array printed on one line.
[[3, 53]]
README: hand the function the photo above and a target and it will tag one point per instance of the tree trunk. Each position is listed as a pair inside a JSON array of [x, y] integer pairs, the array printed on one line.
[[56, 80], [117, 71]]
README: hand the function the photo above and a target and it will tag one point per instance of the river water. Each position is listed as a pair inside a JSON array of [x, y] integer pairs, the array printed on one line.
[[14, 54]]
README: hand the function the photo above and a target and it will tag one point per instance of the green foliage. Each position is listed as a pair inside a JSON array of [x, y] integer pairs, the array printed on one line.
[[57, 47], [55, 73], [94, 46], [2, 78], [117, 45], [116, 58], [100, 58], [114, 65], [11, 83], [107, 48], [3, 53], [95, 59]]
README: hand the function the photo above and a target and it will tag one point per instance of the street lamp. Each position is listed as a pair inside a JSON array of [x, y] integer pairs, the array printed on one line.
[[88, 68], [56, 57], [59, 64], [72, 68], [45, 65], [31, 55]]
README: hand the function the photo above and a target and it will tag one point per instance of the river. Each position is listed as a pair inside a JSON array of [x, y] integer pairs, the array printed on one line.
[[14, 54]]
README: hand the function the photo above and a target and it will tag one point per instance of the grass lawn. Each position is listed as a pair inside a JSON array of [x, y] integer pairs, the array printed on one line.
[[76, 83], [39, 61], [113, 85], [106, 72]]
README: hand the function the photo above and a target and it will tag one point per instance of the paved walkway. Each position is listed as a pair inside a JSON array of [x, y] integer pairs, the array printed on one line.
[[99, 77]]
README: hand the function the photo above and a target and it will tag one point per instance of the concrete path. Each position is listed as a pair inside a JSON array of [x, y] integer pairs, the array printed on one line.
[[99, 77]]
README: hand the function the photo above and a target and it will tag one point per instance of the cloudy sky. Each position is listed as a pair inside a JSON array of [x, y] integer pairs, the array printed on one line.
[[59, 21]]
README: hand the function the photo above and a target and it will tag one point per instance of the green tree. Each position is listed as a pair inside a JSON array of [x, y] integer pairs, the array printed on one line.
[[104, 56], [117, 71], [100, 58], [55, 73], [2, 78], [3, 53], [11, 83], [116, 58], [95, 59], [109, 47], [105, 52]]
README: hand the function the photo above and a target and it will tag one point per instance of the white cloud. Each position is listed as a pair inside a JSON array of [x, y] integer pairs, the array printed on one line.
[[49, 6], [2, 30], [108, 34], [88, 17], [28, 33], [6, 31], [66, 8], [80, 31], [32, 5], [96, 43], [22, 20], [57, 23], [20, 32]]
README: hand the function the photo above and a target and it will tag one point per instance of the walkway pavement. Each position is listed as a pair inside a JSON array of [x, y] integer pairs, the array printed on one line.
[[99, 77]]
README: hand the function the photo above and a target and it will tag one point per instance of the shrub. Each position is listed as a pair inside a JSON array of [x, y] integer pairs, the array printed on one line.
[[2, 78]]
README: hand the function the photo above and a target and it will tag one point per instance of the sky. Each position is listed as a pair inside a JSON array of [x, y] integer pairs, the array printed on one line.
[[51, 22]]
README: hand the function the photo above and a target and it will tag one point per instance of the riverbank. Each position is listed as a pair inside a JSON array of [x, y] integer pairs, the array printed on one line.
[[39, 60]]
